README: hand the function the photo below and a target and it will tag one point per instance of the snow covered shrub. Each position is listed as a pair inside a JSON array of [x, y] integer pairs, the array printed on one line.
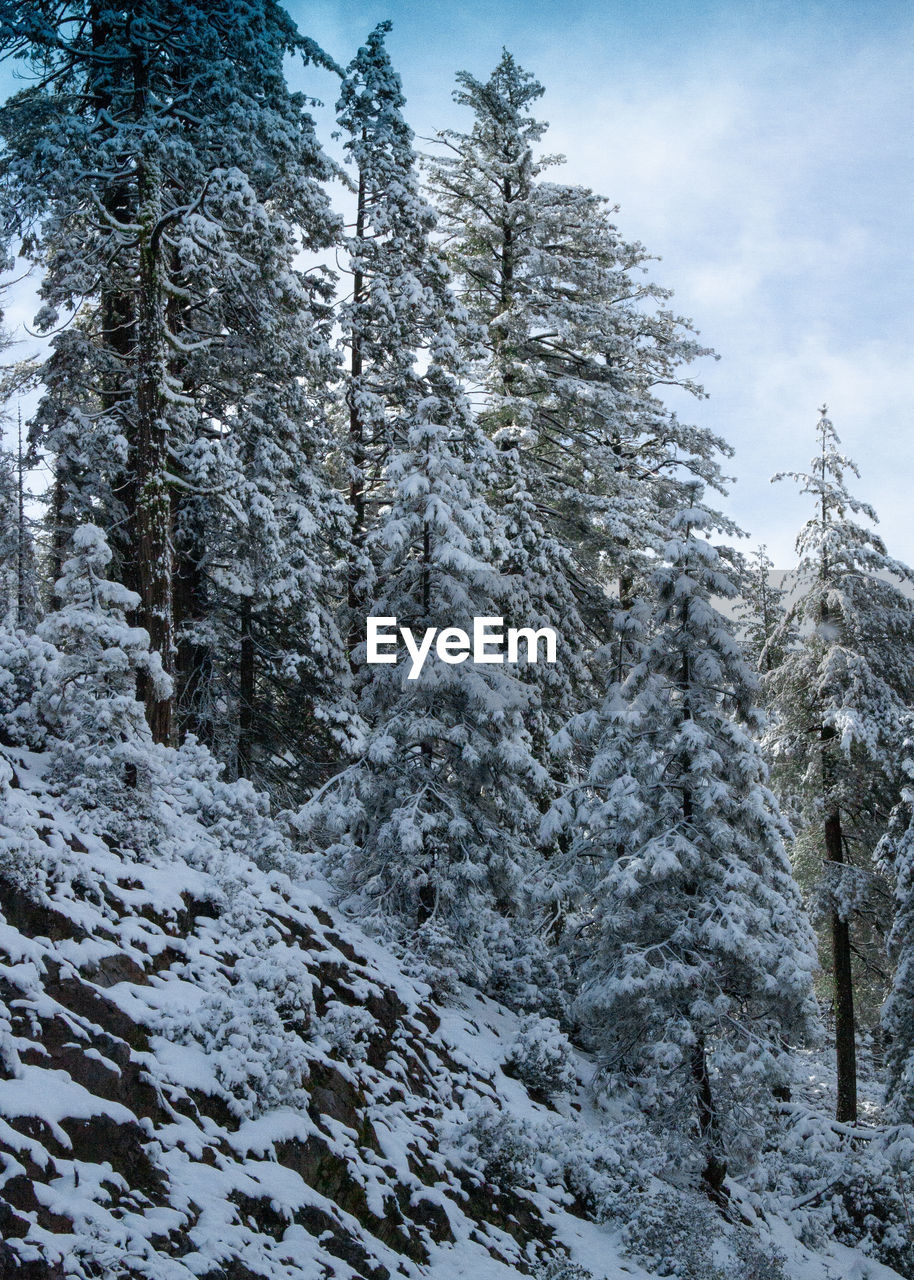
[[22, 851], [673, 1233], [758, 1261], [254, 1032], [561, 1268], [234, 813], [525, 973], [871, 1204], [609, 1169], [347, 1029], [500, 1146], [541, 1056], [853, 1186], [431, 958]]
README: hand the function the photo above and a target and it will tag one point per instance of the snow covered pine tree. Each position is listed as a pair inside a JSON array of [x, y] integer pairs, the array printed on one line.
[[840, 700], [698, 958], [760, 611], [164, 178], [895, 855], [428, 831], [574, 346], [99, 742]]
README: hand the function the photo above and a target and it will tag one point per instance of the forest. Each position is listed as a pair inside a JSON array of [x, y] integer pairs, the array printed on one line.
[[324, 961]]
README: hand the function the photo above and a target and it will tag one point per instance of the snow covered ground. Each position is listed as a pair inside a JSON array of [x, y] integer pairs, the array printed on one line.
[[205, 1073]]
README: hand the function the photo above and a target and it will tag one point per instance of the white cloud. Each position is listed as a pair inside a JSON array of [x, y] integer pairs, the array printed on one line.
[[772, 188]]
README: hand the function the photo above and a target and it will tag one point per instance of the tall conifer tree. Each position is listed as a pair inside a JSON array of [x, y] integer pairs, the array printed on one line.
[[164, 177], [575, 347], [429, 830], [698, 958], [839, 700]]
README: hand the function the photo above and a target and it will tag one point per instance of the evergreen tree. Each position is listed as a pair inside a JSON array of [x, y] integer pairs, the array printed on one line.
[[760, 610], [19, 602], [399, 295], [428, 831], [698, 957], [895, 853], [575, 346], [99, 741], [840, 699], [9, 538], [165, 179]]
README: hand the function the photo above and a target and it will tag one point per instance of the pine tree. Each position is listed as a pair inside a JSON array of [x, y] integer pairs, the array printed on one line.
[[100, 745], [165, 179], [698, 957], [895, 856], [575, 345], [9, 538], [760, 610], [839, 701], [399, 294], [428, 831], [19, 602]]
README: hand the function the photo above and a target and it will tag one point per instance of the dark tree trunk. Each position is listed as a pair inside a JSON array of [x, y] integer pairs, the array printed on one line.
[[118, 325], [21, 536], [155, 552], [842, 974], [845, 1041], [626, 600], [715, 1170], [60, 526], [118, 336], [357, 459], [193, 659], [246, 692]]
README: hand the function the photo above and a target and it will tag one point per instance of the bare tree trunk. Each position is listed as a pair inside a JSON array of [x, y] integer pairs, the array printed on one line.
[[845, 1040], [193, 658], [357, 452], [153, 500], [715, 1170], [246, 689]]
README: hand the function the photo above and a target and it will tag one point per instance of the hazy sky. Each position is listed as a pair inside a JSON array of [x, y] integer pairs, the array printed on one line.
[[764, 152]]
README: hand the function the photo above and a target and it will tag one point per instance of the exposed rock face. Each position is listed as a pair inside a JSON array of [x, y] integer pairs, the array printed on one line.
[[200, 1075]]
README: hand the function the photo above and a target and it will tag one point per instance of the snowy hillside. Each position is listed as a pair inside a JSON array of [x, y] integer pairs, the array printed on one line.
[[589, 958], [205, 1074]]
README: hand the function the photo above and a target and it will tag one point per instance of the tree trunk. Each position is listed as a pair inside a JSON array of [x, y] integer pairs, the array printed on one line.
[[155, 551], [246, 677], [842, 974], [715, 1170], [845, 1043], [21, 592], [153, 508], [61, 528], [193, 659], [357, 453], [118, 327]]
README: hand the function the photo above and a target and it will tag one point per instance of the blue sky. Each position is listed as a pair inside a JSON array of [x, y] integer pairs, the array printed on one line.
[[765, 152]]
